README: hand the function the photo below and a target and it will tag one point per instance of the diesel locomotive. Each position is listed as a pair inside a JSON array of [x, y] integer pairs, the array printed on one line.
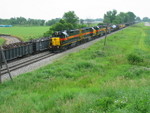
[[63, 40]]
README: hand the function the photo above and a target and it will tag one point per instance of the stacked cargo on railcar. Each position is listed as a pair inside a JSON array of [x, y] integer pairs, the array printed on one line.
[[16, 50]]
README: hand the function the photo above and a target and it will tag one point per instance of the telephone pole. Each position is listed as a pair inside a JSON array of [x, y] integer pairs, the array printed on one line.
[[0, 64], [2, 56], [105, 35]]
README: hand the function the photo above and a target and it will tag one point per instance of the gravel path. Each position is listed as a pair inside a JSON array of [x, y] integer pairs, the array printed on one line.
[[147, 24], [10, 39], [49, 60]]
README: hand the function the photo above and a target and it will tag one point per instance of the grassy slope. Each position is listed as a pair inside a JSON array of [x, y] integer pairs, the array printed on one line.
[[25, 33], [94, 80], [1, 41]]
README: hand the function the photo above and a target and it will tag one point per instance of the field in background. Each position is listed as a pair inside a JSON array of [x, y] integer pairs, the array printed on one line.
[[110, 79], [25, 33]]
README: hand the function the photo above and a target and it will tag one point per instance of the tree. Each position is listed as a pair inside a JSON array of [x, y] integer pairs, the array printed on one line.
[[71, 17], [53, 21], [113, 18], [146, 19], [123, 17], [81, 21], [131, 17], [23, 21], [138, 19], [68, 21], [58, 27], [110, 16], [62, 21]]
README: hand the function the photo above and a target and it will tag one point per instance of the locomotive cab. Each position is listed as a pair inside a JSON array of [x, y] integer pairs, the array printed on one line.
[[93, 31], [56, 40], [97, 28]]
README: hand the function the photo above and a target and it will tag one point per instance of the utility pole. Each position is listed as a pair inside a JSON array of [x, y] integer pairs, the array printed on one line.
[[105, 35], [5, 61], [0, 64]]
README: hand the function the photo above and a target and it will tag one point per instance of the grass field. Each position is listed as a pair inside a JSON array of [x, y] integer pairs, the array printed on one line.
[[25, 33], [110, 79], [1, 41]]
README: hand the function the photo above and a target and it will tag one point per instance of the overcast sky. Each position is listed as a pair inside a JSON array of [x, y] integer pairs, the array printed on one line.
[[48, 9]]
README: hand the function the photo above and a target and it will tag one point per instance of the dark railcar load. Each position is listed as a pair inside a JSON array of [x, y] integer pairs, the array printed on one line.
[[16, 50]]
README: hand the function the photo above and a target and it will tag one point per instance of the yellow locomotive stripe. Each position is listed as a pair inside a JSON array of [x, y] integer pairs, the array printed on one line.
[[78, 35], [71, 42], [102, 29]]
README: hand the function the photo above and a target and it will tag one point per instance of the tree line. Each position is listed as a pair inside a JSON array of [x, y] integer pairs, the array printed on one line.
[[71, 21], [21, 21], [112, 17], [146, 19]]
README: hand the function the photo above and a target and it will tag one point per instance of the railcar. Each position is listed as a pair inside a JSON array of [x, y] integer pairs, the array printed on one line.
[[41, 44], [21, 49], [64, 39], [100, 30], [16, 50], [87, 34], [121, 26]]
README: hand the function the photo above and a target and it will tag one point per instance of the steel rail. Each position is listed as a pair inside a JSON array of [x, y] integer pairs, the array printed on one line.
[[26, 63]]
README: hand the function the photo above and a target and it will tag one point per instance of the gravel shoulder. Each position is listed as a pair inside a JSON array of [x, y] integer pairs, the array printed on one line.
[[10, 39], [49, 60]]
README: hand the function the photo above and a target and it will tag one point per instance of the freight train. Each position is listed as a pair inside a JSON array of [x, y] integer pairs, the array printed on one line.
[[63, 40], [60, 41]]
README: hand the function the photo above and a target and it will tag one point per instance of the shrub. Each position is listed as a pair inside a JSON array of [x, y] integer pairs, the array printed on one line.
[[134, 72], [105, 103], [134, 59]]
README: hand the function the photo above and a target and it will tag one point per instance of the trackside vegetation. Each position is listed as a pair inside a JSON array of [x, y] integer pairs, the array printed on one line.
[[110, 79], [1, 41]]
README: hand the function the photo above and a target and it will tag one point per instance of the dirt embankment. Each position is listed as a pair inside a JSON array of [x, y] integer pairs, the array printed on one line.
[[10, 39]]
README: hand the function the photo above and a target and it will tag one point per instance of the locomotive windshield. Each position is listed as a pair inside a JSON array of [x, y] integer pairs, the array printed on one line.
[[60, 34]]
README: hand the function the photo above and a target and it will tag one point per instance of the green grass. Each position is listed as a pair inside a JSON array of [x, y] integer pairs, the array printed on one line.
[[99, 79], [1, 41], [25, 33]]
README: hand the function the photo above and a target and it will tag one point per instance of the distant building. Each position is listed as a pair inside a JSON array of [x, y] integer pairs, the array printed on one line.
[[92, 22], [5, 25]]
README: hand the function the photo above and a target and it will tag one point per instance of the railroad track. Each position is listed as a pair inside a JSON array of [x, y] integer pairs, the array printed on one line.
[[25, 63]]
